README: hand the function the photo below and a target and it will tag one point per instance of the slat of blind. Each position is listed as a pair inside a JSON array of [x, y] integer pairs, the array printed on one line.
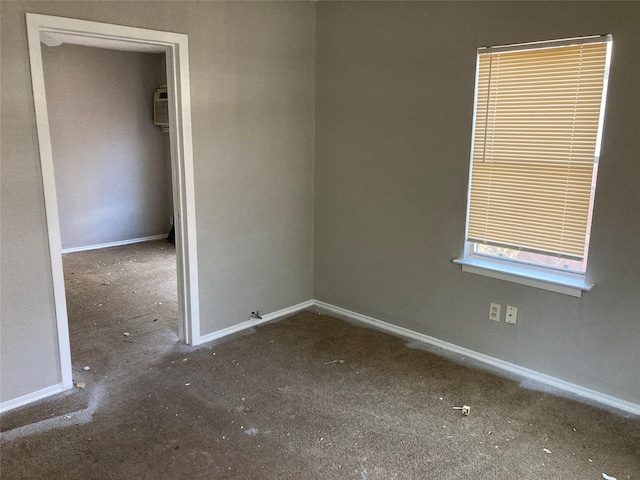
[[508, 226], [536, 126], [587, 66], [560, 79], [507, 198], [546, 184], [545, 238]]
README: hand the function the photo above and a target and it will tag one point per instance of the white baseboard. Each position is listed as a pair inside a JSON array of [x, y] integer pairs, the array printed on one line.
[[30, 397], [254, 322], [45, 392], [115, 244], [565, 386], [523, 372]]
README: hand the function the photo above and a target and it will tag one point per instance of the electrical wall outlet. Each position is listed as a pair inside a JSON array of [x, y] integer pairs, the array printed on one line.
[[494, 312], [511, 315]]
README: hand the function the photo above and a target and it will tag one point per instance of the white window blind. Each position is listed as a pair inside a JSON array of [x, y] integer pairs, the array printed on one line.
[[538, 121]]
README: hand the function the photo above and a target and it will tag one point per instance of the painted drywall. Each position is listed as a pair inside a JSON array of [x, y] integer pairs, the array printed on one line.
[[393, 124], [252, 102], [394, 105], [166, 144], [168, 186], [110, 168]]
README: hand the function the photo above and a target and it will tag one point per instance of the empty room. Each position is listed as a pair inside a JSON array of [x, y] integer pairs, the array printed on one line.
[[113, 189], [405, 241]]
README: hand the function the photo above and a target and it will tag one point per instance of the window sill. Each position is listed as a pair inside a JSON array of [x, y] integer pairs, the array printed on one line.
[[555, 281]]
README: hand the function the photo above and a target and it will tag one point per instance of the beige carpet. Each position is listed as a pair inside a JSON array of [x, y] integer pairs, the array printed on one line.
[[308, 397]]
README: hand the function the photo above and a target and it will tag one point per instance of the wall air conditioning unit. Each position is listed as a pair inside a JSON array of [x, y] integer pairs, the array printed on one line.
[[161, 108]]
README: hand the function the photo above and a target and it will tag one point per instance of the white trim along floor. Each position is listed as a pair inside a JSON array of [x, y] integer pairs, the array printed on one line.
[[115, 244], [509, 369]]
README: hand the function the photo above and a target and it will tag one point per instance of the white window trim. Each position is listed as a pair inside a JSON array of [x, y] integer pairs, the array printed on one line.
[[546, 278], [552, 279]]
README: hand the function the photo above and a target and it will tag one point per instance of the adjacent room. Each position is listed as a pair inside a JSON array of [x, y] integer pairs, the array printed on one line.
[[112, 169], [344, 298]]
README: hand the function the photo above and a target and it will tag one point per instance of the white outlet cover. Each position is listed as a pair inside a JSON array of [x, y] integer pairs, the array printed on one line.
[[511, 315], [494, 312]]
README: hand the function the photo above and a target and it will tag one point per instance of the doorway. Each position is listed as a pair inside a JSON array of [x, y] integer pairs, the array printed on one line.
[[57, 30]]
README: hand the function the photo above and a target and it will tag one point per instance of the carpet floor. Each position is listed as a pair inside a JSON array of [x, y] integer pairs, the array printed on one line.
[[307, 397]]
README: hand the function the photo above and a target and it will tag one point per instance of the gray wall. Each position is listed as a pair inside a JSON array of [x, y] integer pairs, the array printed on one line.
[[252, 84], [394, 104], [166, 144], [393, 98], [111, 174]]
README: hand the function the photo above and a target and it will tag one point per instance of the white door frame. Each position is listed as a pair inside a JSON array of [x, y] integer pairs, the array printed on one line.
[[56, 30]]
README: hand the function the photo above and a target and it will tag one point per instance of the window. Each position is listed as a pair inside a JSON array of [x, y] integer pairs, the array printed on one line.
[[538, 119]]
